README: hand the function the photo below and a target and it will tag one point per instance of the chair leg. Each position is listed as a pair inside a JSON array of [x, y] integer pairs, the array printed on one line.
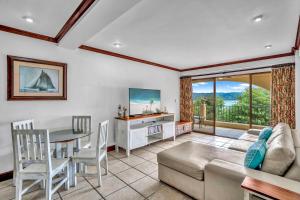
[[43, 184], [49, 188], [106, 164], [67, 184], [99, 173], [19, 184], [14, 177], [74, 173]]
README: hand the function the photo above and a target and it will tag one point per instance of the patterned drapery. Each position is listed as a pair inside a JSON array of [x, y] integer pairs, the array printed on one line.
[[186, 101], [283, 95]]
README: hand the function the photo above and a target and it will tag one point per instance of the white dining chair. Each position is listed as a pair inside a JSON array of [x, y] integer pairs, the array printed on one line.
[[94, 156], [39, 164], [20, 125], [82, 124]]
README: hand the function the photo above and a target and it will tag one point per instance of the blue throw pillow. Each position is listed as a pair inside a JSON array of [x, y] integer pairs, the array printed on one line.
[[265, 133], [255, 154]]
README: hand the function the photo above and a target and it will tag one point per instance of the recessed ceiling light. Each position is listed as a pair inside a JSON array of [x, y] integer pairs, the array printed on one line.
[[27, 19], [117, 44], [268, 46], [258, 18]]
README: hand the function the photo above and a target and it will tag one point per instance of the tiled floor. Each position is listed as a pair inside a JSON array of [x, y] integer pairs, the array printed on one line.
[[221, 131], [129, 178]]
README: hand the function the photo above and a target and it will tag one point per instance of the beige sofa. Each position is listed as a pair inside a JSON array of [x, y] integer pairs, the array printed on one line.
[[212, 173]]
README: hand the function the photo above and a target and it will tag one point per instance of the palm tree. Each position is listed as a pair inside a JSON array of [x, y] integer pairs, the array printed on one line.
[[151, 103]]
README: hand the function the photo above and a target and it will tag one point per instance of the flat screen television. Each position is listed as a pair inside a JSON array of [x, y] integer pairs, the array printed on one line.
[[143, 101]]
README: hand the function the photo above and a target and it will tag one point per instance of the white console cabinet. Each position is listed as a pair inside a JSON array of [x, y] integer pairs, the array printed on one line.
[[139, 131]]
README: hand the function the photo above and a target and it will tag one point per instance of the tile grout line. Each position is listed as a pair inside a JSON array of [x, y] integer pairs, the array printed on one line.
[[93, 187], [135, 180], [128, 184]]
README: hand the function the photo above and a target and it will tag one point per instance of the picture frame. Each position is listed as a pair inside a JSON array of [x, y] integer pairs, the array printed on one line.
[[33, 79]]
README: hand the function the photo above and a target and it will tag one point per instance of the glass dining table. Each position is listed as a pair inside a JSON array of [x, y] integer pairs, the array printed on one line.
[[67, 137]]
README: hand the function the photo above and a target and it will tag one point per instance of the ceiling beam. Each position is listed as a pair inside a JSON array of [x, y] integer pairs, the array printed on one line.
[[80, 10], [103, 13], [239, 61], [109, 53], [27, 33]]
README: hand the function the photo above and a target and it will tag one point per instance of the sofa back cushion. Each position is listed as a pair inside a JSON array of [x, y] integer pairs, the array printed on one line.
[[281, 151], [280, 128], [294, 170]]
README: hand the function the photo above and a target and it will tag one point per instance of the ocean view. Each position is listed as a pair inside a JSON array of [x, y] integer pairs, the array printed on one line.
[[229, 102]]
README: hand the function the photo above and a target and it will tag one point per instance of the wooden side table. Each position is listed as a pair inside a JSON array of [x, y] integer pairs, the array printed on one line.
[[257, 189]]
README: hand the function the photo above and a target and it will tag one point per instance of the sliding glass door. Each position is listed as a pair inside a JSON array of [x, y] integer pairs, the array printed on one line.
[[204, 105], [227, 106], [232, 105]]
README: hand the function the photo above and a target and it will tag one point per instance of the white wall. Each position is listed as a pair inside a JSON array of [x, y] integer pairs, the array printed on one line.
[[297, 86], [96, 85]]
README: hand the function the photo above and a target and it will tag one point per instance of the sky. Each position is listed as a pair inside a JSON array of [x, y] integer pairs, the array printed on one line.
[[221, 86]]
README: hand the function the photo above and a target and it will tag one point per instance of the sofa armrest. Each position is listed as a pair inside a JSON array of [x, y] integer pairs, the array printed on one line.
[[253, 131], [223, 180]]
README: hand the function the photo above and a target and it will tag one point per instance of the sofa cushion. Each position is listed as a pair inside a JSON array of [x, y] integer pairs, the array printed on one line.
[[280, 154], [280, 128], [265, 133], [255, 154], [190, 158], [240, 145], [294, 171], [249, 137], [296, 137]]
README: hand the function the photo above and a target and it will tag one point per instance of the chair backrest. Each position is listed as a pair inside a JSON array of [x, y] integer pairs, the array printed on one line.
[[21, 125], [37, 151], [102, 137], [82, 123]]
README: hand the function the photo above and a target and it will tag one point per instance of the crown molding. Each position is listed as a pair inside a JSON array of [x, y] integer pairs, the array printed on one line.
[[239, 61], [109, 53], [297, 41], [27, 33]]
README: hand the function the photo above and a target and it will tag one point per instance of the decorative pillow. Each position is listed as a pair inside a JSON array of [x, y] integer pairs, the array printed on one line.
[[255, 154], [265, 133]]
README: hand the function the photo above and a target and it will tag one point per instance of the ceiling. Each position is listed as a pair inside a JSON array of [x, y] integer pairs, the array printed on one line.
[[177, 33]]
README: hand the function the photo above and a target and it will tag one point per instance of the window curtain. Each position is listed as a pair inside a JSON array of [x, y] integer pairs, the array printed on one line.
[[186, 101], [283, 95]]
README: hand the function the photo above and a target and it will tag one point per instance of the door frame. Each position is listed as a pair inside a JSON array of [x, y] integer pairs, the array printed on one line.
[[214, 79]]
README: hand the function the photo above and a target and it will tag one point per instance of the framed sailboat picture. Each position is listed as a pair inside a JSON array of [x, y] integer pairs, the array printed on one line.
[[32, 79]]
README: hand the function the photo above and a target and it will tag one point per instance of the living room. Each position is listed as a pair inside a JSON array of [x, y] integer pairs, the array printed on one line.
[[155, 99]]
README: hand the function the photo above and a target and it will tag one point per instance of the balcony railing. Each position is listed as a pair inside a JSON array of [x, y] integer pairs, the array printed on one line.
[[235, 114]]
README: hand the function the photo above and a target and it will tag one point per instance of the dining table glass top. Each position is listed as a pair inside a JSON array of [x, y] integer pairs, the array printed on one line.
[[67, 135]]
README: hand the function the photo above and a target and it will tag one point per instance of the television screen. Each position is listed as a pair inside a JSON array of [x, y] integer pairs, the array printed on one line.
[[143, 101]]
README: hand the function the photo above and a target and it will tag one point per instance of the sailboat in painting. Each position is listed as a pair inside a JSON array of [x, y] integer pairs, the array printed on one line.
[[42, 84]]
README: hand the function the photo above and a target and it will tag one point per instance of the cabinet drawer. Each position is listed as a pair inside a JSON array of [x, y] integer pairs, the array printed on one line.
[[138, 138], [168, 130], [187, 127]]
